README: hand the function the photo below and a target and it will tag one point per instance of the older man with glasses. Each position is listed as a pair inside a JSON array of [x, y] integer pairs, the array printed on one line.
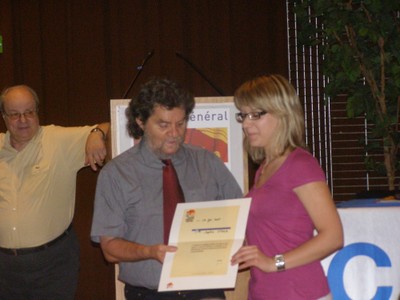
[[39, 251]]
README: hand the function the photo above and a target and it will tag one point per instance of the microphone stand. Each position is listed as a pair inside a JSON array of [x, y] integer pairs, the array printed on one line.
[[139, 68], [220, 92]]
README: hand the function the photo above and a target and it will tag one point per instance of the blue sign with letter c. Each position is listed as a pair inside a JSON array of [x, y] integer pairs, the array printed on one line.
[[338, 264]]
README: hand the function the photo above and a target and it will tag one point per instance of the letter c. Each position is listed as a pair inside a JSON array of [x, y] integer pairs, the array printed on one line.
[[338, 264]]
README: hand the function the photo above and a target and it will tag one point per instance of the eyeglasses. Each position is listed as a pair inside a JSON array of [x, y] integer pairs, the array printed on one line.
[[240, 117], [29, 114]]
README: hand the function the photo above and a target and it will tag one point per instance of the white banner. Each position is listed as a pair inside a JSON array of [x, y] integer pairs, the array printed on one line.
[[368, 266]]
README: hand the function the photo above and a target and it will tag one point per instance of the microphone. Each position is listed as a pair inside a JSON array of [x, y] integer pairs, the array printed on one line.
[[220, 92], [139, 68], [149, 54]]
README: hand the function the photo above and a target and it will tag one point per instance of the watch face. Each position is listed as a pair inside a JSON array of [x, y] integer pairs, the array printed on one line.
[[280, 262]]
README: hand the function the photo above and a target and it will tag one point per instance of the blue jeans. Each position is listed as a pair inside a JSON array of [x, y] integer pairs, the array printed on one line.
[[49, 274]]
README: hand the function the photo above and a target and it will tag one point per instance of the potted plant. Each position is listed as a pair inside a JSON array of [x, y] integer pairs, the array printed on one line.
[[359, 42]]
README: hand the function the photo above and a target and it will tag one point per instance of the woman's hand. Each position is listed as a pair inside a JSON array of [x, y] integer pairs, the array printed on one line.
[[251, 256]]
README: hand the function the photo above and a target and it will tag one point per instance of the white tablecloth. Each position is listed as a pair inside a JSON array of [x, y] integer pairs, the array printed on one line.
[[368, 266]]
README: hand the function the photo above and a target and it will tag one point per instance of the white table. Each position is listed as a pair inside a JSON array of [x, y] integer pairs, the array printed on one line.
[[368, 266]]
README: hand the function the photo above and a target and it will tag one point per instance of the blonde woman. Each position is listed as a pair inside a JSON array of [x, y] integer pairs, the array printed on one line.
[[290, 197]]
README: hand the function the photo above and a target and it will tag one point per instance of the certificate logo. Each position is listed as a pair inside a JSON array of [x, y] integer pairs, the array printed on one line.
[[189, 216]]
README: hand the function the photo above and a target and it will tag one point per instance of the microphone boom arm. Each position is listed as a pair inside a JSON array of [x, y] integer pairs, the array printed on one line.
[[139, 68], [200, 73]]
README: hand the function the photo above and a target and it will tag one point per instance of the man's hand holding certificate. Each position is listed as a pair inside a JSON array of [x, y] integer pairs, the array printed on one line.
[[207, 234]]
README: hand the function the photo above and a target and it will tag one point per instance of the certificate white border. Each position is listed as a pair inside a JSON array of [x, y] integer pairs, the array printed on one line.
[[225, 281]]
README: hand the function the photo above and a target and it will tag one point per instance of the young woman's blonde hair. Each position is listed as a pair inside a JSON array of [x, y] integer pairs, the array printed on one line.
[[275, 95]]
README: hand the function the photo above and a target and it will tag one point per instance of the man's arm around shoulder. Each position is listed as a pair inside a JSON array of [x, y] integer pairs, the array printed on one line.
[[96, 146]]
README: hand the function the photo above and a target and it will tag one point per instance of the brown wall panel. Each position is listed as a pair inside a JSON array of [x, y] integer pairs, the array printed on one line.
[[6, 30]]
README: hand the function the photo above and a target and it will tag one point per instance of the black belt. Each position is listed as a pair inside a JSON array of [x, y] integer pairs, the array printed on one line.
[[138, 291], [22, 251]]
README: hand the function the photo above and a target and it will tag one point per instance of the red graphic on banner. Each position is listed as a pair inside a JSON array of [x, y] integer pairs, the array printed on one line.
[[212, 139]]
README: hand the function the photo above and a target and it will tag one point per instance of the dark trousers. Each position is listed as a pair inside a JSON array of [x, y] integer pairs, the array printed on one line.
[[139, 293], [50, 274]]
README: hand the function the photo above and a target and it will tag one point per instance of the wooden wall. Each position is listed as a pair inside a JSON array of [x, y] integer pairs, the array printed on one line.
[[79, 54]]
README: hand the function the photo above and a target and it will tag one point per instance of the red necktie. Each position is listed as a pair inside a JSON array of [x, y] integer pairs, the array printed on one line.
[[172, 193]]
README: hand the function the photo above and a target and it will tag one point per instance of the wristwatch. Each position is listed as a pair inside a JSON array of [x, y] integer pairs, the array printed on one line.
[[97, 129], [279, 262]]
